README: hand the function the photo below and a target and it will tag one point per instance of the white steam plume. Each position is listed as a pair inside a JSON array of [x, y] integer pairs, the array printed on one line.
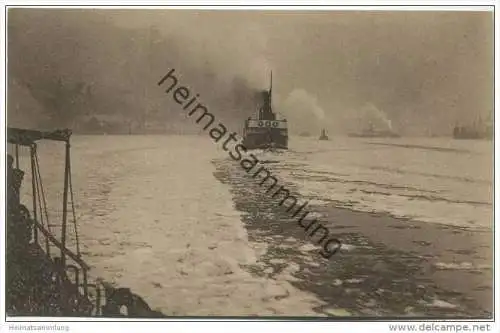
[[370, 115], [303, 111]]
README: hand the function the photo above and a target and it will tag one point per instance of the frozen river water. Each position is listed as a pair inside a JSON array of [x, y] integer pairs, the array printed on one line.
[[176, 220]]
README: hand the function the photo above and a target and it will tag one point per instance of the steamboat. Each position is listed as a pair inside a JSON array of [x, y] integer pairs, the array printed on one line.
[[265, 130], [323, 136], [371, 132], [479, 130]]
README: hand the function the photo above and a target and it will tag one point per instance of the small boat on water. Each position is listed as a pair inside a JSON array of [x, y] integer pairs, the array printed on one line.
[[479, 130], [323, 135], [305, 134], [265, 130], [371, 132]]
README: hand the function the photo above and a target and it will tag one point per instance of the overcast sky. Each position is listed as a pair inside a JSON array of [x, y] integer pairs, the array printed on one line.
[[425, 71], [418, 67]]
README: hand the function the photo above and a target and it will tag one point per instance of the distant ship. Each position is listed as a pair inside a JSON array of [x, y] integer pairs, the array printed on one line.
[[265, 130], [305, 134], [478, 130], [370, 132], [323, 135]]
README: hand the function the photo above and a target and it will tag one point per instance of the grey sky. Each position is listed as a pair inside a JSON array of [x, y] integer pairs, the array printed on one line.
[[423, 68], [424, 71]]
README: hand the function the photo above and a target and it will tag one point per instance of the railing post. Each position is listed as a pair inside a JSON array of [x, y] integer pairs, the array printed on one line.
[[65, 203], [85, 283], [17, 156], [98, 297], [33, 188]]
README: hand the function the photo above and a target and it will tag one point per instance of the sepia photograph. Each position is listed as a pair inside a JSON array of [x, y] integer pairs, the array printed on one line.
[[249, 163]]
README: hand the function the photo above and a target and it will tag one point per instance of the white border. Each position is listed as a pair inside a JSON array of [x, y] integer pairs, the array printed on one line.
[[174, 325], [281, 5], [261, 4]]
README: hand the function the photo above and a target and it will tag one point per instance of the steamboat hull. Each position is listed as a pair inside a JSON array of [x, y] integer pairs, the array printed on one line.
[[265, 140], [265, 130]]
